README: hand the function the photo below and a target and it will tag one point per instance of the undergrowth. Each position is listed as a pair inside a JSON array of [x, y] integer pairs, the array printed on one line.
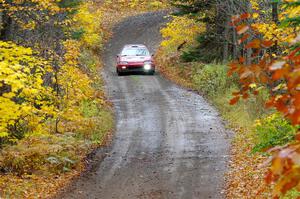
[[273, 131], [24, 164]]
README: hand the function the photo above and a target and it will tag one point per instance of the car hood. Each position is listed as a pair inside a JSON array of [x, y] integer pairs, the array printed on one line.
[[135, 58]]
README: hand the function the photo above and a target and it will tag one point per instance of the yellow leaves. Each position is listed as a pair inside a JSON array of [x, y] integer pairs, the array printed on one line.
[[273, 32], [90, 20], [180, 30], [290, 12], [255, 15], [38, 11], [21, 85], [3, 134], [25, 98], [270, 30], [141, 5], [254, 4]]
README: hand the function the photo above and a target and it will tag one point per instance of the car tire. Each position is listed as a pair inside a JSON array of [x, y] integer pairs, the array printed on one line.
[[152, 72], [119, 73]]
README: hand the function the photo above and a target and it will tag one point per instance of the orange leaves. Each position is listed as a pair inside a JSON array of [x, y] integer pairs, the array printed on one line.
[[237, 18], [296, 101], [266, 43], [241, 29], [266, 71], [234, 100], [244, 38], [232, 68], [280, 73], [288, 105], [285, 169], [256, 43], [245, 16], [245, 73]]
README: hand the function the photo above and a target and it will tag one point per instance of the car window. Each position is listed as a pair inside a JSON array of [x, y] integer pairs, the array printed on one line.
[[135, 52]]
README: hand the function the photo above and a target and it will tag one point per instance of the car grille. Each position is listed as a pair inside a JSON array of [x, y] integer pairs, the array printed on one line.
[[134, 67]]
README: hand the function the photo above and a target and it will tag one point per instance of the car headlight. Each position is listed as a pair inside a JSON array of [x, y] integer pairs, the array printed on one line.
[[147, 65], [123, 63]]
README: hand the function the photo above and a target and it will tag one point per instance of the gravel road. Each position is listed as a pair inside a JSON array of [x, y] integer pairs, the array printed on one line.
[[169, 142]]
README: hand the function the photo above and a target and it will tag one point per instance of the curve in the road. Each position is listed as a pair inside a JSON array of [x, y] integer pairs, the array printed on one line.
[[169, 142]]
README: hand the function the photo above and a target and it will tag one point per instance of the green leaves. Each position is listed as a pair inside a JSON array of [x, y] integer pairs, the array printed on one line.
[[272, 131]]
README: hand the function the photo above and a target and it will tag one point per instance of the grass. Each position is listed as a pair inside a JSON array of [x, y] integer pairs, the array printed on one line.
[[213, 83]]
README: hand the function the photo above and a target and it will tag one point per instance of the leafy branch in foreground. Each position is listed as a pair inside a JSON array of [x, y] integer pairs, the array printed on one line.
[[273, 62]]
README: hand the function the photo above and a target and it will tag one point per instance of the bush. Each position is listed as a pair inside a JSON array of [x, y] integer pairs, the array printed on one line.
[[212, 80], [272, 131], [42, 153]]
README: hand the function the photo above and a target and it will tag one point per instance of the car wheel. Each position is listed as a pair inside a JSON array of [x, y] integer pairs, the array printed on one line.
[[119, 73], [152, 72]]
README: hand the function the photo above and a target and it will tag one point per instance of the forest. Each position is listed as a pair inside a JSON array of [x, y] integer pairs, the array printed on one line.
[[243, 56]]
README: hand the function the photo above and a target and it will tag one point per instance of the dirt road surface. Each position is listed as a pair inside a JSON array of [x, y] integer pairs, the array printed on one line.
[[169, 142]]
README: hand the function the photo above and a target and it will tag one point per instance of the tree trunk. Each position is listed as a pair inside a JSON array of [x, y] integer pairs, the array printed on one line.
[[235, 48], [275, 12], [226, 39], [249, 50], [5, 25], [276, 21]]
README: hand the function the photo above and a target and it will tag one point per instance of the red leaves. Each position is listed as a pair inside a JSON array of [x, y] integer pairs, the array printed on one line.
[[288, 104], [254, 44], [233, 68], [241, 29], [245, 16], [245, 96], [238, 18], [244, 38], [296, 100], [295, 117], [285, 168], [281, 75], [266, 72], [297, 137], [278, 74], [293, 53], [234, 100], [266, 44]]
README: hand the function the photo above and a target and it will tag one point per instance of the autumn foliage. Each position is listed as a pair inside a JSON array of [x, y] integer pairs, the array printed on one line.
[[52, 105], [53, 110], [272, 61], [43, 92]]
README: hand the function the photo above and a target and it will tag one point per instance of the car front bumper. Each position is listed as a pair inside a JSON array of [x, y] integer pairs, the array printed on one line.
[[137, 68]]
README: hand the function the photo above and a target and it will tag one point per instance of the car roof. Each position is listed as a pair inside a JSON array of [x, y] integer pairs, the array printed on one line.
[[135, 46]]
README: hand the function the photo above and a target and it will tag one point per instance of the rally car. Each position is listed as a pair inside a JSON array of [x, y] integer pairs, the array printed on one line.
[[135, 58]]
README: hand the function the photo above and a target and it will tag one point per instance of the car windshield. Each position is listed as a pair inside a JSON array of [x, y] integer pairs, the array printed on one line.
[[135, 52]]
